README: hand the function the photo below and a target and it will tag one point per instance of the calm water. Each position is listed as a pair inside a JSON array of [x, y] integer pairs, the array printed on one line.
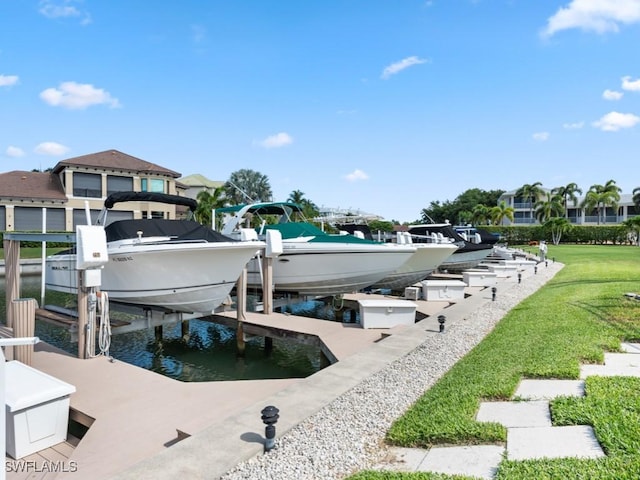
[[208, 355]]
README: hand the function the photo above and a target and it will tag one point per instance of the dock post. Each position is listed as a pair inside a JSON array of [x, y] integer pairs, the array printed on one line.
[[267, 287], [24, 319], [158, 333], [12, 274], [184, 330], [83, 306], [241, 310]]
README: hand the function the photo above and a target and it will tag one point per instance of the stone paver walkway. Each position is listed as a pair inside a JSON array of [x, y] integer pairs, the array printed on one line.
[[530, 434]]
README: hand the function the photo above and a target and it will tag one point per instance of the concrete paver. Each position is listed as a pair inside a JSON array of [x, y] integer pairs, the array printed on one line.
[[516, 414], [608, 371], [552, 442], [477, 461], [621, 360], [530, 389], [630, 347]]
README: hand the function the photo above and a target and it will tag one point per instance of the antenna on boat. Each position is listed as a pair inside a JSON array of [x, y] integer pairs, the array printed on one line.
[[241, 191]]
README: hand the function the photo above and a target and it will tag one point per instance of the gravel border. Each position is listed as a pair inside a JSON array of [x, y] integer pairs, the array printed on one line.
[[347, 435]]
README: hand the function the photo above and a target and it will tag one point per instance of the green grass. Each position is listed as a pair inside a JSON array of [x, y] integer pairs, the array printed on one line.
[[577, 316], [32, 252]]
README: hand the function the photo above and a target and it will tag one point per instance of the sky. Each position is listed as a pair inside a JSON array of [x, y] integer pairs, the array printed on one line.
[[381, 106]]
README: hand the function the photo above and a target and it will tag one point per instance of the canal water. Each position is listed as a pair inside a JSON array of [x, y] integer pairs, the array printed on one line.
[[210, 354]]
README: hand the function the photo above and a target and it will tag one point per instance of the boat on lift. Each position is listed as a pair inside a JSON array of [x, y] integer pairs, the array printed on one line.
[[176, 265], [313, 262]]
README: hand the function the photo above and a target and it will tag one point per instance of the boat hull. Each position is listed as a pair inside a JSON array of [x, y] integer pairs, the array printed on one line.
[[420, 265], [194, 278], [463, 260], [329, 268]]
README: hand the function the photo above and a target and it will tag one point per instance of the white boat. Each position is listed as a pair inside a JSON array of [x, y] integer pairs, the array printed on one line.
[[314, 262], [178, 265], [468, 255], [428, 257]]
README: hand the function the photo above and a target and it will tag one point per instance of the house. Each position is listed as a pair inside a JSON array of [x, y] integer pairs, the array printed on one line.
[[524, 210], [78, 184], [196, 183]]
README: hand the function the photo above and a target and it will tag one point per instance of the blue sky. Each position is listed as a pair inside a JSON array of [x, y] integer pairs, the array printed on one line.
[[377, 105]]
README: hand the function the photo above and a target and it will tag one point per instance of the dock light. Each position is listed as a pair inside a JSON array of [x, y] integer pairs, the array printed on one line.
[[553, 259], [493, 293], [441, 320], [546, 263], [535, 269], [269, 418], [519, 277]]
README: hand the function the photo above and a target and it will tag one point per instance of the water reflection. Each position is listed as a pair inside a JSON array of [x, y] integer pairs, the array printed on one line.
[[208, 353]]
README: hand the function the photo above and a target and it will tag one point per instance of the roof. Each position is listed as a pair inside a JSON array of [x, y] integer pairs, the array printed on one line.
[[115, 160], [197, 180], [32, 186]]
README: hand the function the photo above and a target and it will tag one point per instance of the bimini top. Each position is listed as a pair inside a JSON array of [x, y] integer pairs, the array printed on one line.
[[119, 197], [265, 208]]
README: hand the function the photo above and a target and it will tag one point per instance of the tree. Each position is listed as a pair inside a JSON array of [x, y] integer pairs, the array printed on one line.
[[548, 207], [599, 197], [558, 226], [636, 196], [208, 201], [247, 185], [480, 214], [530, 193], [568, 192], [309, 209], [457, 211], [632, 226], [500, 212]]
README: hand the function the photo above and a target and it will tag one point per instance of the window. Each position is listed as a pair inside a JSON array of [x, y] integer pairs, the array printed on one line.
[[87, 185], [152, 185], [119, 184]]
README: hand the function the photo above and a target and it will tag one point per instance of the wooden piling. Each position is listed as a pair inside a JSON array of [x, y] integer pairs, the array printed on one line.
[[184, 330], [12, 275], [267, 287], [158, 333], [83, 307], [24, 319]]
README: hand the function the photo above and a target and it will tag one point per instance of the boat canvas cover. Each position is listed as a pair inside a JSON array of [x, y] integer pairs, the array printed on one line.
[[295, 230], [178, 230], [448, 231], [119, 197]]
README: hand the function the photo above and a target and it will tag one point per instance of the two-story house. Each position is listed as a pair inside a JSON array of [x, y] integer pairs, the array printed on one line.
[[78, 186]]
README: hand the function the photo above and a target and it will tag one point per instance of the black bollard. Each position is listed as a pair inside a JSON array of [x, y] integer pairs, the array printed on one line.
[[441, 320], [269, 418], [494, 290]]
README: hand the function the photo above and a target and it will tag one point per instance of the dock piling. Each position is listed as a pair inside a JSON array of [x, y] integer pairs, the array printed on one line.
[[24, 319]]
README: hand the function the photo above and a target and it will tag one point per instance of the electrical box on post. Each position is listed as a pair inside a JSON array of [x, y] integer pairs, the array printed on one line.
[[274, 244], [91, 247]]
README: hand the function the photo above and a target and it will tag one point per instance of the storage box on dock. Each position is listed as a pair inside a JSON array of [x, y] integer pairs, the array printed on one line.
[[412, 293], [386, 313], [37, 409], [502, 271], [479, 279], [443, 289]]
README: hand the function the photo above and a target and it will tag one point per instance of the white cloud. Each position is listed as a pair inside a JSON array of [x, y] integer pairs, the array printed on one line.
[[541, 136], [401, 65], [14, 152], [78, 96], [614, 121], [356, 175], [276, 141], [8, 80], [51, 148], [64, 9], [631, 85], [573, 126], [612, 95], [599, 16]]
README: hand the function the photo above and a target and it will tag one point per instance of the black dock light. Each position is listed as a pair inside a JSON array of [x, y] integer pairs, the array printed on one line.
[[553, 259], [519, 277], [269, 418], [493, 293], [535, 269], [441, 320], [546, 263]]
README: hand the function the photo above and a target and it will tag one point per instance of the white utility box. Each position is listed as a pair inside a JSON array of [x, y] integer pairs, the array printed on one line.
[[479, 279], [443, 289], [412, 293], [502, 271], [37, 409], [386, 313]]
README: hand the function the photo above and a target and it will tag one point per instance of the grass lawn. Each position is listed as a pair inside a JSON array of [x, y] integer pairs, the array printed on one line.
[[578, 315], [32, 252]]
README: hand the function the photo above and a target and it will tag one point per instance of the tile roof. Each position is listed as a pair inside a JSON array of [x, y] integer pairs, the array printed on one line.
[[31, 186], [115, 160]]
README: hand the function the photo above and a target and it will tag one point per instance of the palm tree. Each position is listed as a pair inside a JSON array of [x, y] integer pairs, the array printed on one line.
[[247, 185], [549, 207], [633, 227], [208, 201], [568, 192], [558, 225], [500, 212], [636, 197], [480, 214], [602, 196], [309, 209], [296, 196], [530, 192]]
